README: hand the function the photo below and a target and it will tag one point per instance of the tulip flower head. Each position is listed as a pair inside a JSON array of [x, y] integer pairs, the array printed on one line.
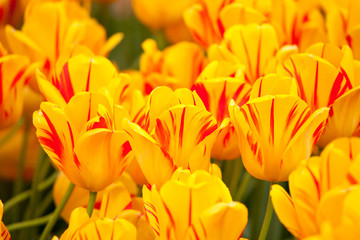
[[85, 142], [81, 226], [275, 133], [191, 206], [318, 191]]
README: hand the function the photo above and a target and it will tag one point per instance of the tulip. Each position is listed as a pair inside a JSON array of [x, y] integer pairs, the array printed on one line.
[[176, 66], [216, 94], [208, 20], [183, 137], [254, 46], [194, 206], [311, 185], [81, 226], [80, 73], [275, 133], [158, 14], [298, 23], [66, 134], [326, 77], [50, 28]]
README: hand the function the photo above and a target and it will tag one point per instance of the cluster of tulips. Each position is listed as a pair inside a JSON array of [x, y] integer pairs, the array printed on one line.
[[233, 107]]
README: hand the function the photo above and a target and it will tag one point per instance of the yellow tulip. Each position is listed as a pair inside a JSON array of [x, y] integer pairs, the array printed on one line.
[[4, 233], [80, 73], [216, 93], [208, 20], [159, 14], [87, 121], [183, 137], [275, 133], [313, 183], [176, 66], [79, 197], [52, 27], [81, 226], [254, 46], [13, 76], [326, 76], [194, 206], [296, 25]]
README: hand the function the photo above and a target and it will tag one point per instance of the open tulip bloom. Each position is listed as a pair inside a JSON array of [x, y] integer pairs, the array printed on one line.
[[179, 120]]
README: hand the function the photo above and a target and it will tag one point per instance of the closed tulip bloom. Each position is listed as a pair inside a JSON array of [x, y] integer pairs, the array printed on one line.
[[80, 73], [275, 133], [297, 25], [183, 137], [50, 28], [338, 215], [216, 93], [124, 186], [311, 185], [326, 76], [254, 46], [84, 139], [4, 233], [159, 14], [83, 227], [176, 66], [194, 206], [208, 20]]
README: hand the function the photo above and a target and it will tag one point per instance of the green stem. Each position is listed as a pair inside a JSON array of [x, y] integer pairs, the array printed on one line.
[[91, 204], [46, 201], [56, 213], [237, 171], [36, 180], [243, 187], [26, 194], [28, 224], [19, 176], [12, 132], [267, 218]]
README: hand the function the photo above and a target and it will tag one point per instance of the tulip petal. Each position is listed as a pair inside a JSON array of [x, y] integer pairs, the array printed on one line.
[[57, 136], [110, 154], [155, 163], [254, 46], [320, 83], [216, 222], [273, 84], [187, 134], [89, 103], [285, 209], [344, 118]]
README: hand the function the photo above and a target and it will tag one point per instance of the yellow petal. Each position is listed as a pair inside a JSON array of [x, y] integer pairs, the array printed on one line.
[[89, 103], [111, 43], [254, 46], [217, 221], [154, 162], [267, 145], [320, 83], [285, 209], [109, 158], [187, 134], [273, 84], [235, 13], [344, 118], [57, 136]]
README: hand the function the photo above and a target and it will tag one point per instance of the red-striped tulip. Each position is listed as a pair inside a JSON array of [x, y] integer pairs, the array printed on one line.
[[275, 133]]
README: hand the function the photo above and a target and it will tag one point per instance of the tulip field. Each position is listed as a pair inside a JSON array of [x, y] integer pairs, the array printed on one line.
[[179, 120]]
